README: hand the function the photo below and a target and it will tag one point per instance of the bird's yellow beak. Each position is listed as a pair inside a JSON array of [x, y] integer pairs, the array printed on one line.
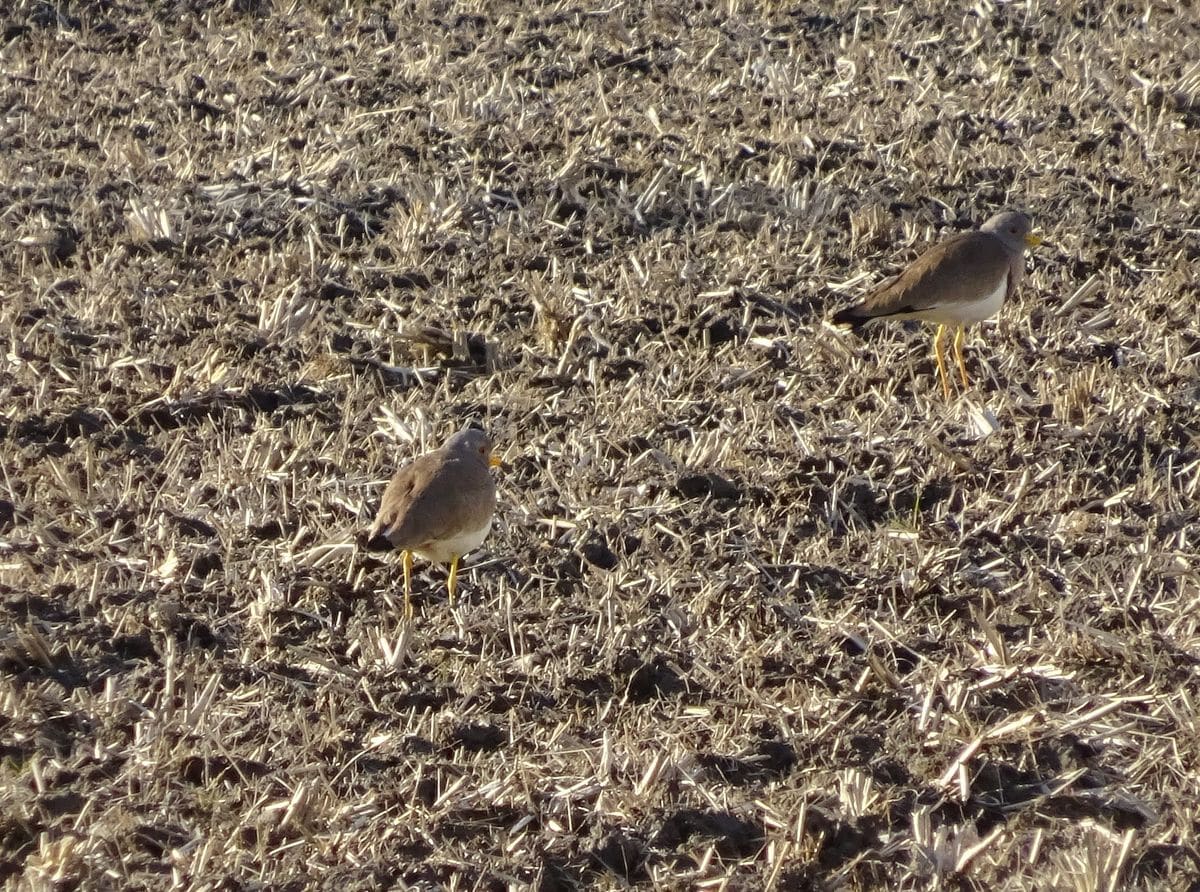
[[1033, 240], [494, 461]]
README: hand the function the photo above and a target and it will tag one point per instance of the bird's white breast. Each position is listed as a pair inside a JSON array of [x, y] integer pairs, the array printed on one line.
[[977, 310], [441, 551]]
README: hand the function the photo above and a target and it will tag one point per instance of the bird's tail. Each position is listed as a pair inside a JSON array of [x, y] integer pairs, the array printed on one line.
[[376, 538], [851, 316]]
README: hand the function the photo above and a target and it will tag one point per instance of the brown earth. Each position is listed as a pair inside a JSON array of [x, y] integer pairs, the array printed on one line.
[[761, 609]]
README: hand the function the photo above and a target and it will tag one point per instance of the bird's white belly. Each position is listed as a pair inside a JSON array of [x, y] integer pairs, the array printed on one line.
[[443, 550], [957, 313]]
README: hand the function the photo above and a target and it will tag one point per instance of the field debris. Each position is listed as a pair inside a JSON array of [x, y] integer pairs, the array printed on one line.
[[759, 608]]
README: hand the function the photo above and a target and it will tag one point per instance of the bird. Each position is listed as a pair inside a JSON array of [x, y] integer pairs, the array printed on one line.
[[440, 505], [962, 280]]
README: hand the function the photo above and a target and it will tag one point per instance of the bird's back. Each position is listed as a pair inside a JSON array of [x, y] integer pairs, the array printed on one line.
[[436, 497], [950, 272]]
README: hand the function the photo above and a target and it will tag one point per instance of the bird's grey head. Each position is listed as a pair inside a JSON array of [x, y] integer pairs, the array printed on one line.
[[471, 439], [1014, 229]]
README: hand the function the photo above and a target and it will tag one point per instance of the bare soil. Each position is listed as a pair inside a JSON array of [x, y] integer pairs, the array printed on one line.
[[761, 609]]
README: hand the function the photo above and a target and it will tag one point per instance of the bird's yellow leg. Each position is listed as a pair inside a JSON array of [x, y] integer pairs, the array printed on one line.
[[958, 356], [408, 611], [452, 582], [939, 355]]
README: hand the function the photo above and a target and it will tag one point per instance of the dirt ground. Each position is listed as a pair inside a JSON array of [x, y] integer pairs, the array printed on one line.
[[761, 608]]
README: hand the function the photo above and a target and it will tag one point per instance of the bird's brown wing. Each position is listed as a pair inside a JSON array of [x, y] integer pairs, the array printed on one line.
[[399, 494], [962, 269], [433, 498]]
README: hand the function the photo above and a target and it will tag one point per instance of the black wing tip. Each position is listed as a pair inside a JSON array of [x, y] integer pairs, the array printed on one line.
[[377, 542], [375, 538], [856, 318], [849, 316]]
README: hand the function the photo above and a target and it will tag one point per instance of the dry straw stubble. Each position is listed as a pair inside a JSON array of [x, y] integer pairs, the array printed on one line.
[[758, 608]]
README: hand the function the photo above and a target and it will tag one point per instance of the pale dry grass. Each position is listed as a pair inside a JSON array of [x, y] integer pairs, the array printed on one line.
[[760, 608]]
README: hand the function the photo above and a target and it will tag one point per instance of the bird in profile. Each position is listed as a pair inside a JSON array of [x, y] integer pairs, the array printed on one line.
[[962, 280], [440, 505]]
